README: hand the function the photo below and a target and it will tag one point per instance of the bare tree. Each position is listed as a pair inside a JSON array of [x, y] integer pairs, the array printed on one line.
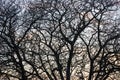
[[60, 40]]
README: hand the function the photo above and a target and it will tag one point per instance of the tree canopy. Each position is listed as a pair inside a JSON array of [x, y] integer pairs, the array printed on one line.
[[59, 40]]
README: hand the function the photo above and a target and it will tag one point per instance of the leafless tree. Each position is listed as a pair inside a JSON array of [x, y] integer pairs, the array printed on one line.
[[60, 39]]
